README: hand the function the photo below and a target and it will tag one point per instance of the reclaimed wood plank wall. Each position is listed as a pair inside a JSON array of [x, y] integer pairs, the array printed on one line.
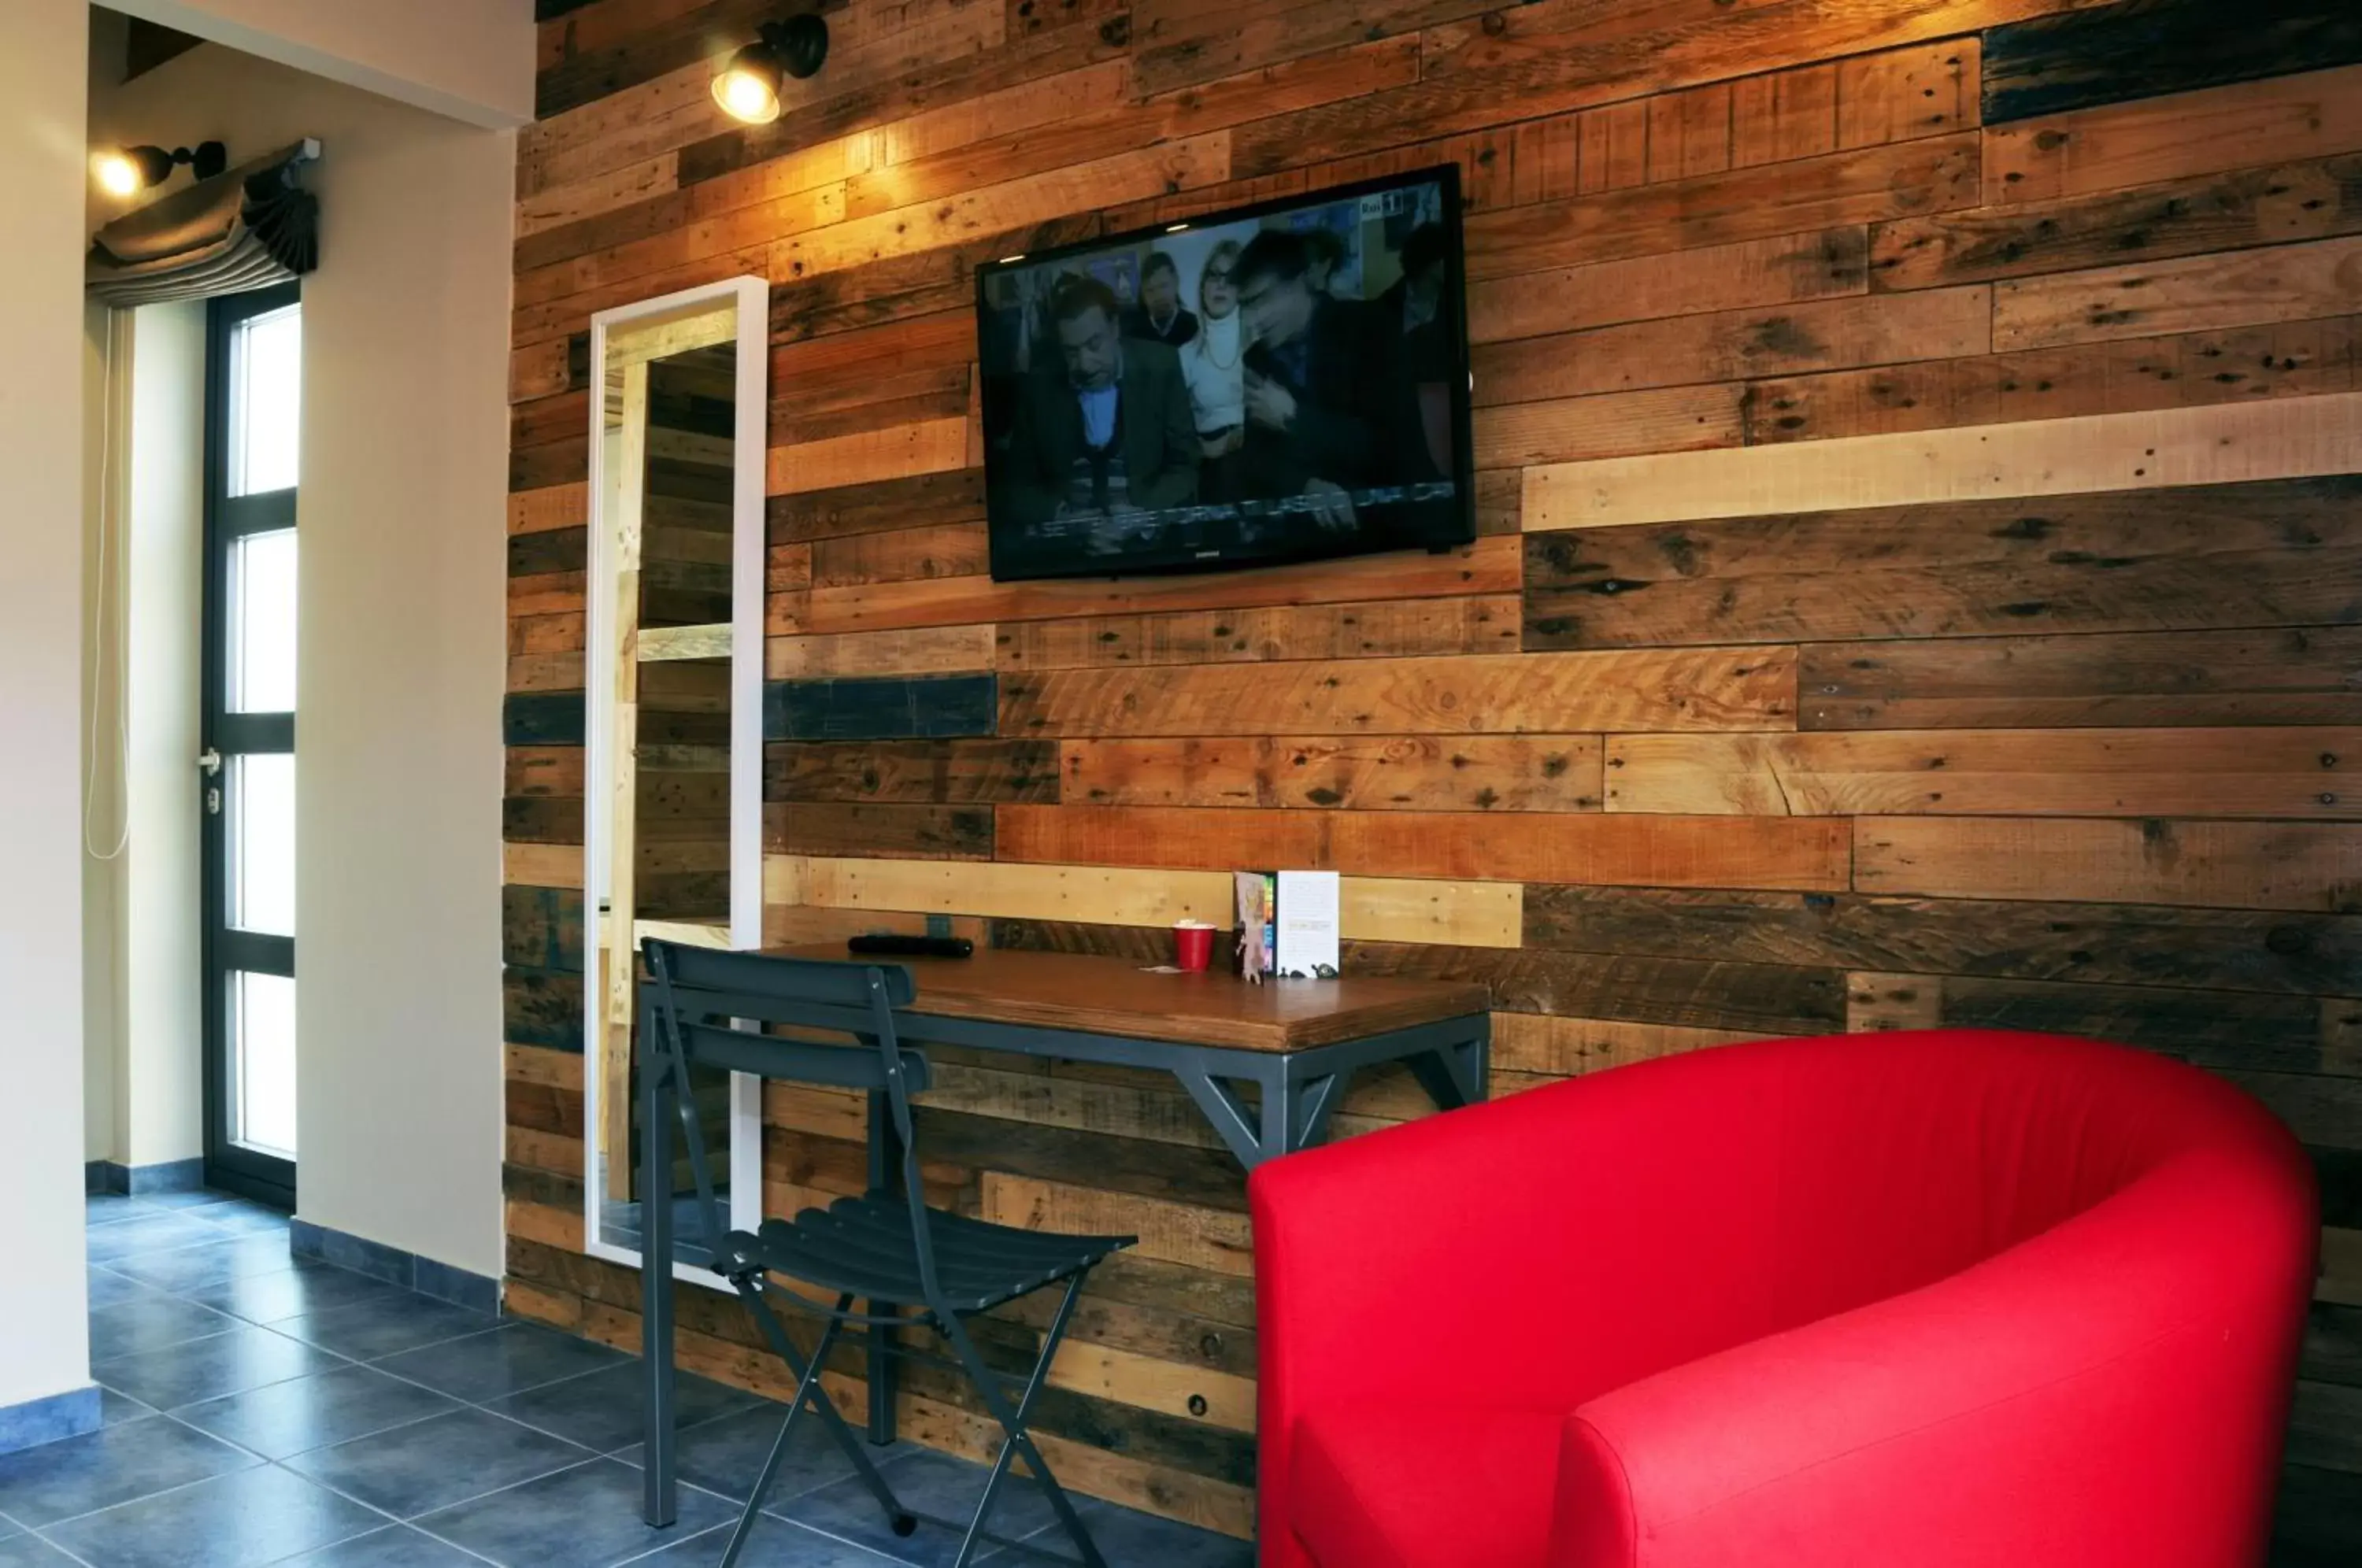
[[1920, 581]]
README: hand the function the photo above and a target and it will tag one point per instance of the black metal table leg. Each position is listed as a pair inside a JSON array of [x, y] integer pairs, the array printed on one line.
[[656, 1110], [884, 1167]]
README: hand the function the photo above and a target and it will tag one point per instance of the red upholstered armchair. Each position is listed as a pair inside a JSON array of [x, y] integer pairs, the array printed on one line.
[[1937, 1299]]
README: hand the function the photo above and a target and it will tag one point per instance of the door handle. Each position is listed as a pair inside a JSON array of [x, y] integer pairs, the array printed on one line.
[[210, 760]]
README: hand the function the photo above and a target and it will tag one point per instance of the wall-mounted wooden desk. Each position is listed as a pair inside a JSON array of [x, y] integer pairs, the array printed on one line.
[[1294, 1043]]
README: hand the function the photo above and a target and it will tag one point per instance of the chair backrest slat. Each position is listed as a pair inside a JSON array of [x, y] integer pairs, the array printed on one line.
[[805, 1061]]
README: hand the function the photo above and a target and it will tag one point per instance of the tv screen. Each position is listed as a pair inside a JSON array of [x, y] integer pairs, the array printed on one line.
[[1277, 383]]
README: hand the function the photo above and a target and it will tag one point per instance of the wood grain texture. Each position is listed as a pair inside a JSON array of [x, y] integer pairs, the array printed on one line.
[[2050, 64], [2257, 866], [1486, 773]]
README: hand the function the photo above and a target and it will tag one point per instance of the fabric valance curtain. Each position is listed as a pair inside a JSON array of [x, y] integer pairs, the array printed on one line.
[[245, 229]]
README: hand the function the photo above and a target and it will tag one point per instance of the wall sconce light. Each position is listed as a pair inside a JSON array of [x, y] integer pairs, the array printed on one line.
[[128, 171], [748, 87]]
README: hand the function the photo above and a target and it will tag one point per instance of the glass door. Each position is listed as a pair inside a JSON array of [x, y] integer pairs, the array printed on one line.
[[247, 774]]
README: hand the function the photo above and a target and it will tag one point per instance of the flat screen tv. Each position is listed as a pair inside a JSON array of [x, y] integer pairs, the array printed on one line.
[[1275, 382]]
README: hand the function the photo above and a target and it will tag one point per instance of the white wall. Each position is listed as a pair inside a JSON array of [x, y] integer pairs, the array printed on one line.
[[473, 60], [44, 1344], [398, 732]]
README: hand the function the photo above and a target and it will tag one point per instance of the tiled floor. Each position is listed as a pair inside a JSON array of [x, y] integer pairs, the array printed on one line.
[[259, 1412]]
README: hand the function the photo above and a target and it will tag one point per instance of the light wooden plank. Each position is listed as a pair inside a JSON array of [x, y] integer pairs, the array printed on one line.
[[929, 445], [1717, 688], [2287, 439], [657, 644], [1783, 270], [2296, 773], [924, 650], [1482, 773], [1093, 895], [542, 865], [2240, 288], [2256, 865], [1173, 1233], [1458, 914], [556, 506], [1565, 1047]]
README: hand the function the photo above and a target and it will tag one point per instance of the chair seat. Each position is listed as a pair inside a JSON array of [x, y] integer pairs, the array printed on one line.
[[1435, 1486], [865, 1247]]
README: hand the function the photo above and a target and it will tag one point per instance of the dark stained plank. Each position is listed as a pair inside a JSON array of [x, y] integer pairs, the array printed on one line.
[[924, 772], [880, 708], [890, 832], [541, 819], [934, 500], [541, 1007], [2318, 1523], [542, 718], [541, 928], [2308, 675], [2212, 1028], [2273, 554], [1710, 994], [2145, 49], [2285, 953], [2192, 216]]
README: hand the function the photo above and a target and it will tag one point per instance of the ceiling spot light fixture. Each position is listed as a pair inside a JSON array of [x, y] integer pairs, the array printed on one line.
[[128, 171], [748, 87]]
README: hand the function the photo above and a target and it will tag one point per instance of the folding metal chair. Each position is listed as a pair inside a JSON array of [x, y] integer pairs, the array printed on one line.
[[889, 1252]]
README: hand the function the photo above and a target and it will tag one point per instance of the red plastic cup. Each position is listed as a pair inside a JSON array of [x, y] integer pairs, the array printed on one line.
[[1193, 944]]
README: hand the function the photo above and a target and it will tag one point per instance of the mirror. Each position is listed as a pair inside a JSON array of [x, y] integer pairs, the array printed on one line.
[[673, 840]]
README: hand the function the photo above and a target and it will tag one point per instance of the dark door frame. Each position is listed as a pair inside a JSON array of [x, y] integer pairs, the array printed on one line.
[[229, 1165]]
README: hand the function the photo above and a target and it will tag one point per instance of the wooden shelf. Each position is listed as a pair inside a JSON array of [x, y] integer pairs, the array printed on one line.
[[715, 933], [663, 644]]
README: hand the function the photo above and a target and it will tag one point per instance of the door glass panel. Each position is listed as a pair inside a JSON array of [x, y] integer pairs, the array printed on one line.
[[262, 807], [265, 385], [261, 663], [262, 1030]]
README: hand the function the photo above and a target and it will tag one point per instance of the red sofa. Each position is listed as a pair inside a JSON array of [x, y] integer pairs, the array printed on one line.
[[1940, 1298]]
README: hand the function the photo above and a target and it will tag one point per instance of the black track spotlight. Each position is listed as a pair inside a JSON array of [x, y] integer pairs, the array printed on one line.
[[128, 171], [748, 87]]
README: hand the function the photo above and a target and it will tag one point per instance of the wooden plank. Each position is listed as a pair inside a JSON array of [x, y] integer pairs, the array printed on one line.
[[2102, 944], [543, 770], [1571, 429], [2284, 282], [2247, 772], [1181, 43], [1024, 892], [542, 865], [2061, 457], [1787, 268], [2202, 213], [1869, 185], [2212, 1028], [1488, 566], [542, 718], [1493, 773], [2206, 557], [930, 650], [2049, 65], [1901, 94], [957, 549], [1798, 853], [1750, 1000], [1459, 914], [1568, 1047], [1727, 346], [2308, 676], [662, 642], [1168, 1231], [2181, 135], [868, 828], [2304, 358], [929, 445], [1374, 629], [542, 928], [879, 708], [906, 502], [941, 772], [2259, 865], [1506, 694]]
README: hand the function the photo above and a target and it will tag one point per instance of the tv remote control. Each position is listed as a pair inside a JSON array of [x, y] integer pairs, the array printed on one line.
[[897, 945]]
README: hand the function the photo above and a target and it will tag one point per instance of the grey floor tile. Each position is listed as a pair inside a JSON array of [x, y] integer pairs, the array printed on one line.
[[774, 1543], [195, 1198], [601, 1409], [396, 1546], [1129, 1538], [927, 1482], [147, 1235], [32, 1551], [150, 1323], [724, 1456], [237, 1217], [293, 1291], [376, 1326], [115, 1409], [587, 1517], [193, 1268], [248, 1516], [433, 1463], [500, 1361], [108, 1288], [244, 1357], [115, 1464], [110, 1208], [303, 1413]]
